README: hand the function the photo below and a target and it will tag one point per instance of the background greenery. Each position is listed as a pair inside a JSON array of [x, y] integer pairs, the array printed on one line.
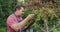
[[47, 13]]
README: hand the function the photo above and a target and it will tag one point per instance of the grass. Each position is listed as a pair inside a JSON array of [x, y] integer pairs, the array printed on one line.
[[2, 29]]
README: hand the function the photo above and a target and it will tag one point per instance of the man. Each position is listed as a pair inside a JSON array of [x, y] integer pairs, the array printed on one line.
[[15, 22]]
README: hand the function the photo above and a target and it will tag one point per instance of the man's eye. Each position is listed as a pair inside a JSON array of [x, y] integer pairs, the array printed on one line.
[[22, 11]]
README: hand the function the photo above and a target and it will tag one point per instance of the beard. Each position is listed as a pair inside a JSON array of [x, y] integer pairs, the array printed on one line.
[[20, 15]]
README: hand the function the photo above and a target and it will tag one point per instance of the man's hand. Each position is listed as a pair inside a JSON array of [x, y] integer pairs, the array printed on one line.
[[30, 16]]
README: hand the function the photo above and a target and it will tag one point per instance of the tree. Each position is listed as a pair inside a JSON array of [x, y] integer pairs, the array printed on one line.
[[6, 8], [46, 17]]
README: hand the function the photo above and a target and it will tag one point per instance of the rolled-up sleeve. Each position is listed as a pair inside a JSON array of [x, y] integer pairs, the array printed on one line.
[[11, 21]]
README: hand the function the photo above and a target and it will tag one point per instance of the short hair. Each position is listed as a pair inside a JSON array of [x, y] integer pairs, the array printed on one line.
[[18, 7]]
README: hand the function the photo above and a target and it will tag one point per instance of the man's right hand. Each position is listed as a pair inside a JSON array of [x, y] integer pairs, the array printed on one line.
[[30, 16]]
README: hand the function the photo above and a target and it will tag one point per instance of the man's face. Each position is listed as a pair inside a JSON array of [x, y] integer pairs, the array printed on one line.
[[21, 11]]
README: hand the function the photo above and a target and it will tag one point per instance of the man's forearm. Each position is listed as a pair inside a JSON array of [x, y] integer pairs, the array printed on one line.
[[23, 23], [20, 25]]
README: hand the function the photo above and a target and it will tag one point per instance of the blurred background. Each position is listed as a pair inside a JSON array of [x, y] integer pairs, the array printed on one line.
[[47, 13]]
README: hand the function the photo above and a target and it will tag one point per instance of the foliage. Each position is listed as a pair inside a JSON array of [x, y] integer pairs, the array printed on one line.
[[45, 18], [46, 14], [6, 8]]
